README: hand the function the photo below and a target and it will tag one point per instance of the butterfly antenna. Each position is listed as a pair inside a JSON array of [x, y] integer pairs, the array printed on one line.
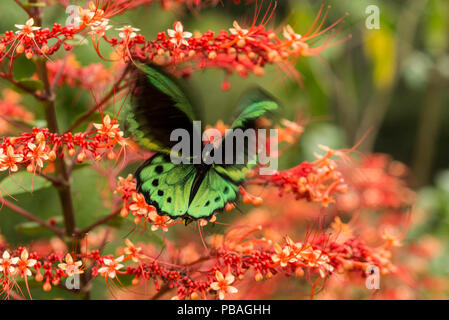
[[238, 209], [201, 235]]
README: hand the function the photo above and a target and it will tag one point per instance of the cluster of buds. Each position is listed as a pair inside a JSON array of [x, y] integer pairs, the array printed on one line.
[[318, 181], [34, 148]]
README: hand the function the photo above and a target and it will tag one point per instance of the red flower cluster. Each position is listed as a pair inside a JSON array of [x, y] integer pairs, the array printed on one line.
[[228, 262], [31, 40], [376, 183], [94, 77], [35, 148], [317, 181], [244, 50]]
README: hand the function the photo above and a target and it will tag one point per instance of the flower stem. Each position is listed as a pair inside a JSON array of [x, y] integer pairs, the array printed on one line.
[[63, 189]]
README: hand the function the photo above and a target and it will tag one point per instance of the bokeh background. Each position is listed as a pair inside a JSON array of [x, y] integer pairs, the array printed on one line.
[[391, 82]]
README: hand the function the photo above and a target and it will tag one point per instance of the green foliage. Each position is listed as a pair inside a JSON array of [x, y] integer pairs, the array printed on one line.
[[23, 182]]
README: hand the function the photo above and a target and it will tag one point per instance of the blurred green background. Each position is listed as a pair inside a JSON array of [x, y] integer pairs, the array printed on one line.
[[393, 81]]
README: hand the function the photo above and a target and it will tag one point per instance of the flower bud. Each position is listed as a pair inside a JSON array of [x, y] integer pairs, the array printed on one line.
[[124, 212], [229, 206], [52, 155], [81, 157], [259, 276], [47, 286], [247, 198], [241, 43], [194, 296], [258, 71], [111, 155], [39, 277], [226, 85], [29, 54], [232, 51], [212, 55], [44, 49], [257, 201], [299, 272], [30, 168]]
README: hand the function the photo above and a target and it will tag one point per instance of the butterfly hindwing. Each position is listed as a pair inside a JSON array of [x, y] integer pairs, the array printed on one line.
[[212, 195], [165, 185], [169, 187]]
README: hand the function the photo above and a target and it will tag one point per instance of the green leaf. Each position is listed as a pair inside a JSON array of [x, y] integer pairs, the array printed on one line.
[[380, 47], [23, 182], [116, 222], [31, 84], [34, 4], [29, 228]]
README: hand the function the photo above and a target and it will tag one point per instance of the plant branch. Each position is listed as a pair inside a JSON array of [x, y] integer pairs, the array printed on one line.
[[115, 88], [31, 217], [64, 190], [100, 222], [20, 4], [17, 84]]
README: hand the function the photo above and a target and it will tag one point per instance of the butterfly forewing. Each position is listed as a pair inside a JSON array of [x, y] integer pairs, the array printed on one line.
[[160, 105]]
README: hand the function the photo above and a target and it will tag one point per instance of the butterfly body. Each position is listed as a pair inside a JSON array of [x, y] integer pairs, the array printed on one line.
[[185, 190]]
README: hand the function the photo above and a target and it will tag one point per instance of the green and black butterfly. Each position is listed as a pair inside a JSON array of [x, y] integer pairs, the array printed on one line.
[[160, 104]]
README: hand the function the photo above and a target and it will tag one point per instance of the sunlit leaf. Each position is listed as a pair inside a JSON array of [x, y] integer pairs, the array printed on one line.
[[23, 182], [31, 84], [380, 47]]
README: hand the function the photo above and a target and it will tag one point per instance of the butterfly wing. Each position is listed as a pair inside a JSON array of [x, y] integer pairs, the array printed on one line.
[[213, 193], [160, 104], [180, 190], [253, 105], [165, 185], [220, 183]]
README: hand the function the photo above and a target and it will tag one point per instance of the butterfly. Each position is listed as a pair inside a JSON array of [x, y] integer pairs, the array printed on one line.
[[160, 104]]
